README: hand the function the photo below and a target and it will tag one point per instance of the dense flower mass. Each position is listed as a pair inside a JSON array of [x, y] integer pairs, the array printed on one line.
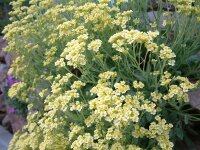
[[95, 76]]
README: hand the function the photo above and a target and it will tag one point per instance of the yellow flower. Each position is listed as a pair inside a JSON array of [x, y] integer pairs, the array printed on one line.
[[95, 45], [137, 20], [165, 79], [107, 75], [156, 96], [119, 40], [74, 52], [77, 85], [121, 87], [153, 25], [60, 63], [117, 146], [18, 90], [104, 1], [123, 18], [116, 58], [164, 23], [139, 131], [138, 85], [83, 142], [152, 47], [166, 53], [133, 147], [171, 62], [43, 93], [113, 133], [78, 106], [74, 130], [149, 107]]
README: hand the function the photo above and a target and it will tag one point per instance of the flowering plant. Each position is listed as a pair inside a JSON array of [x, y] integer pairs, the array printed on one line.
[[95, 76], [15, 105]]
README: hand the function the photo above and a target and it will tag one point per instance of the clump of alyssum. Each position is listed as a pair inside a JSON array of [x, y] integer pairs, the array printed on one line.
[[92, 79]]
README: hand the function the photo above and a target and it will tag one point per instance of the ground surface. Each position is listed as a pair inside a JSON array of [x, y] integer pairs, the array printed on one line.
[[5, 138]]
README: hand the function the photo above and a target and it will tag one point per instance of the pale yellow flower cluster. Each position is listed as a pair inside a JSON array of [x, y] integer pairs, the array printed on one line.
[[60, 63], [26, 140], [100, 15], [188, 7], [115, 105], [167, 54], [74, 130], [104, 1], [77, 85], [66, 28], [78, 106], [152, 47], [121, 1], [178, 92], [119, 146], [49, 142], [149, 107], [116, 58], [49, 56], [113, 133], [166, 78], [185, 84], [109, 102], [125, 37], [74, 51], [95, 45], [158, 130], [85, 141], [121, 87], [105, 76], [43, 93], [138, 85], [123, 18], [18, 90], [59, 82], [156, 96]]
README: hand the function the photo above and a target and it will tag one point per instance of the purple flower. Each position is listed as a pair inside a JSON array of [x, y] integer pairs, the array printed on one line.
[[12, 110], [12, 80]]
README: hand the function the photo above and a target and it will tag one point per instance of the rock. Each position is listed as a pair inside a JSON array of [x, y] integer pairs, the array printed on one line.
[[2, 77], [154, 5], [17, 122], [194, 97], [5, 57], [2, 107], [5, 137], [3, 43], [9, 58], [3, 68]]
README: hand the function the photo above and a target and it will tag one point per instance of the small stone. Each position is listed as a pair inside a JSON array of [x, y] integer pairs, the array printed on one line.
[[194, 97]]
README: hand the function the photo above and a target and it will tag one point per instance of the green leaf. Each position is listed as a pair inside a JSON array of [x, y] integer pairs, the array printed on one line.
[[151, 143], [179, 133], [186, 120], [193, 58], [149, 117], [188, 141]]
